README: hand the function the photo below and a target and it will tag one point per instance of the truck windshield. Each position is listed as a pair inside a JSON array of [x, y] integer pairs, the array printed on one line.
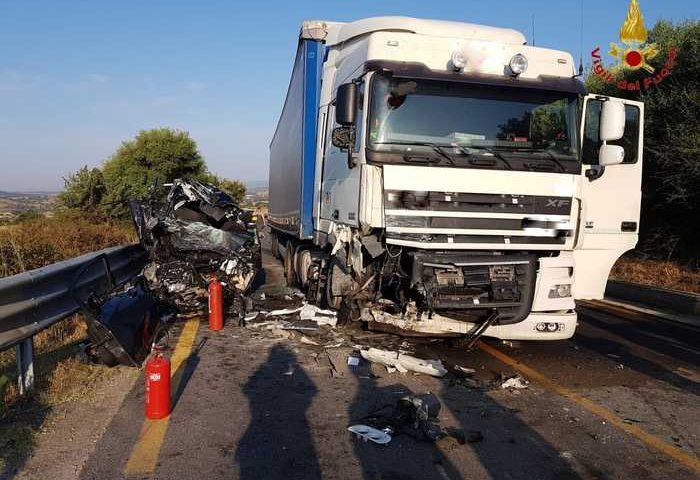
[[468, 125]]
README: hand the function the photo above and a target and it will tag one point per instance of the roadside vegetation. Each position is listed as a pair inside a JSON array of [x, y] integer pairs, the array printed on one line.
[[29, 243], [668, 254], [670, 216], [91, 214]]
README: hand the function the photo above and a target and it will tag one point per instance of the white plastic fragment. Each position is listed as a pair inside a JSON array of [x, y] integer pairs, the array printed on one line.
[[465, 370], [515, 383], [353, 361], [404, 363], [309, 312], [370, 433]]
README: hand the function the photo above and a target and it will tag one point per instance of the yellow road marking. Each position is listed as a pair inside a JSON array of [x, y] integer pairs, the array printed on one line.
[[689, 460], [144, 456]]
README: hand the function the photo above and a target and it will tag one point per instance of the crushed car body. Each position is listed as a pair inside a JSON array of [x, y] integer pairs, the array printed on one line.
[[197, 232]]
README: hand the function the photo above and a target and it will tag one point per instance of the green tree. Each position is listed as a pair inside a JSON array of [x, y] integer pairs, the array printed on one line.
[[235, 188], [161, 154], [83, 190], [671, 181]]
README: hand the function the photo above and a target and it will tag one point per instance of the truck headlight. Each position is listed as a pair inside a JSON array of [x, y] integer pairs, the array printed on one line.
[[518, 64], [560, 291]]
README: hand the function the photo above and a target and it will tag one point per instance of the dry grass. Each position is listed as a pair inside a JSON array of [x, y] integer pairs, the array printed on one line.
[[59, 375], [657, 274], [38, 242]]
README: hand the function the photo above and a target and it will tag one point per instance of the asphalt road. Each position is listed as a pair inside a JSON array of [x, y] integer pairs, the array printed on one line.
[[619, 400]]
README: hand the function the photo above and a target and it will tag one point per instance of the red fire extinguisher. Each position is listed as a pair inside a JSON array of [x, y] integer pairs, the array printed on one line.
[[157, 386], [216, 306]]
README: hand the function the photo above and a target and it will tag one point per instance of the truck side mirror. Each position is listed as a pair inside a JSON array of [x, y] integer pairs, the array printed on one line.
[[610, 155], [612, 121], [346, 104]]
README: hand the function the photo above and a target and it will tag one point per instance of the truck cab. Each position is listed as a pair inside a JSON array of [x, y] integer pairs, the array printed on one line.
[[452, 180]]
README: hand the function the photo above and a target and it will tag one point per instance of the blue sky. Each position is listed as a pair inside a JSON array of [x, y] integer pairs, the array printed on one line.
[[77, 78]]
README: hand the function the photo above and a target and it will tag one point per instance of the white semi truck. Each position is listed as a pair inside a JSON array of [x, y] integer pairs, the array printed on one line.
[[444, 178]]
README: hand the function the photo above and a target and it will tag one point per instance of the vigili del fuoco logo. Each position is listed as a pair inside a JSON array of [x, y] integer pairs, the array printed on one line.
[[633, 54]]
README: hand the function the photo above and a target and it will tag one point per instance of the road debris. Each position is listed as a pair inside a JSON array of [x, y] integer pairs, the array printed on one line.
[[197, 231], [516, 382], [366, 432], [309, 312], [121, 325], [418, 417], [404, 363], [464, 370]]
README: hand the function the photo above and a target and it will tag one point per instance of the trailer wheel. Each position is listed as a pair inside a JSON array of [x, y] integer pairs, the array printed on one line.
[[289, 265]]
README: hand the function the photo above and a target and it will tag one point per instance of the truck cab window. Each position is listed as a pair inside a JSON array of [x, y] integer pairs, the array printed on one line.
[[591, 134]]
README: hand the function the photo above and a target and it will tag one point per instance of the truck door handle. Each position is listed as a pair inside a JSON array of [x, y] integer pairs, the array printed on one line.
[[336, 215]]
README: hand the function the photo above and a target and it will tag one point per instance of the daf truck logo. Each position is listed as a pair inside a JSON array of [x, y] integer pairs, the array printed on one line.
[[557, 203]]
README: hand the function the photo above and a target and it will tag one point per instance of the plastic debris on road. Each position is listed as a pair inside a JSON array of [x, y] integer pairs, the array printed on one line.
[[404, 363], [372, 434], [309, 312], [516, 382]]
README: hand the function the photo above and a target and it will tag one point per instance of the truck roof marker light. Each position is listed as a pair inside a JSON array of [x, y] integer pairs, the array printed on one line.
[[518, 64], [458, 61]]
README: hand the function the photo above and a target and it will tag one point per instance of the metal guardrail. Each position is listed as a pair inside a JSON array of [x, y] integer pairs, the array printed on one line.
[[662, 298], [34, 300]]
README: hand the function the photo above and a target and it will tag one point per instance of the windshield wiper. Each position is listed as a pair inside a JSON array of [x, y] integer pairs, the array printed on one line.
[[494, 152], [436, 148], [550, 156]]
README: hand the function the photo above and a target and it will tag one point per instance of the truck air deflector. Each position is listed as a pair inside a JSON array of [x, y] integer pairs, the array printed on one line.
[[313, 53], [293, 146], [417, 70]]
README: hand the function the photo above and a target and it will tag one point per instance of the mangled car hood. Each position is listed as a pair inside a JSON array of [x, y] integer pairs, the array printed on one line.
[[196, 232]]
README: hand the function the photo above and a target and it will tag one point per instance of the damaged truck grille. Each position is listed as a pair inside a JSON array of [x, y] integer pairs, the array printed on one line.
[[475, 285]]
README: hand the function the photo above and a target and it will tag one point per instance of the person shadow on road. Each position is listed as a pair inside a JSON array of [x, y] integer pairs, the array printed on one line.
[[278, 442]]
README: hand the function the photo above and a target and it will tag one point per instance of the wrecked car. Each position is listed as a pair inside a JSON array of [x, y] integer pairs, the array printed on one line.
[[197, 232]]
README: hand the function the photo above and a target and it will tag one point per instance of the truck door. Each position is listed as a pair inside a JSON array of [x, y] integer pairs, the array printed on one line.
[[609, 198], [340, 189]]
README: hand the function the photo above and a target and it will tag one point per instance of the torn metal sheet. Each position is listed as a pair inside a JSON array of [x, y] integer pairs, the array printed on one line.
[[197, 231]]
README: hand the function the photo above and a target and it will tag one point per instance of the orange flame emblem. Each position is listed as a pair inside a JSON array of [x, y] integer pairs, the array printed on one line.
[[634, 52]]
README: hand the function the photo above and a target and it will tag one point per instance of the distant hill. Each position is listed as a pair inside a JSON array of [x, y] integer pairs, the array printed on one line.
[[14, 203]]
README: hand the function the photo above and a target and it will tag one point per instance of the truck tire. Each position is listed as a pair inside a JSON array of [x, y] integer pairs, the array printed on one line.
[[335, 271], [289, 265], [303, 260]]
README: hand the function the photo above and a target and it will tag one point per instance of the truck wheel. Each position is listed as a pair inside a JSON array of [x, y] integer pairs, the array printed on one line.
[[335, 274], [289, 265], [303, 261]]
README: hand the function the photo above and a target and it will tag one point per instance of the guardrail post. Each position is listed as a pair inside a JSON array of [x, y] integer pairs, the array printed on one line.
[[25, 365]]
